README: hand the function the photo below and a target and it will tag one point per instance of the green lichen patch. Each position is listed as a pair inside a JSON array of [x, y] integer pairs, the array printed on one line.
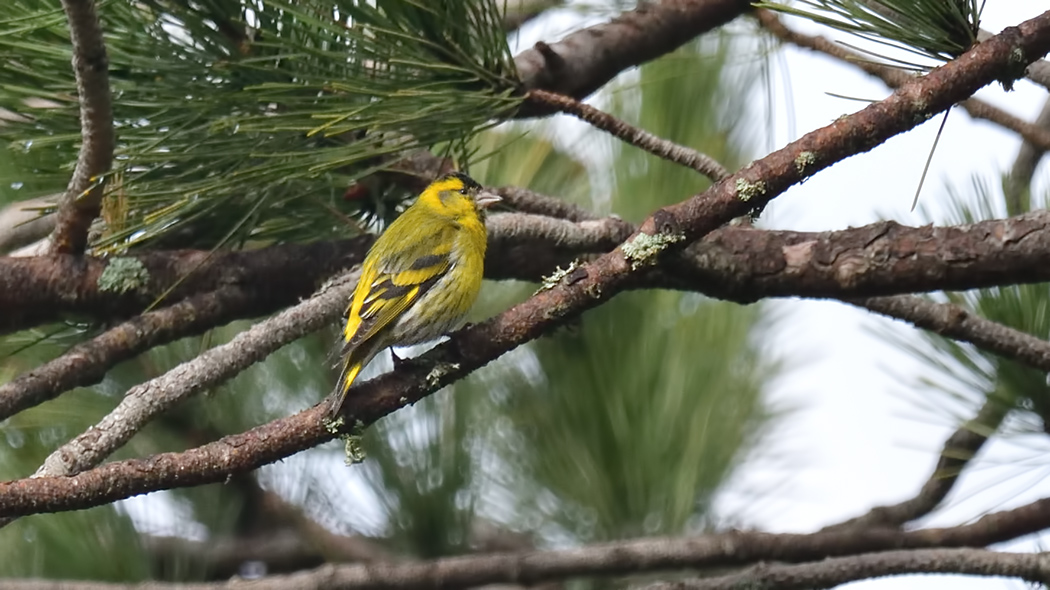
[[555, 277], [803, 160], [353, 449], [122, 275], [439, 372], [642, 249], [746, 190]]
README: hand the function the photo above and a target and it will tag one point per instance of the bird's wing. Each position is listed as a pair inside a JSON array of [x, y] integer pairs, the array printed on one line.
[[391, 285]]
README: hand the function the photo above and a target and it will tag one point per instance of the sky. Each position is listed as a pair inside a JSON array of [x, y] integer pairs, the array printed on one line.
[[859, 434]]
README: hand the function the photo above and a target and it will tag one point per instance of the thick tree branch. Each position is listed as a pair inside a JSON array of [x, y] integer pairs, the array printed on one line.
[[583, 288], [640, 138], [1031, 567], [145, 401], [585, 60], [83, 198], [895, 78], [662, 554], [41, 289], [736, 264]]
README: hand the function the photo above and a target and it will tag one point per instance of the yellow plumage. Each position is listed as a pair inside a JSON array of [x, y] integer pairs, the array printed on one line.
[[421, 276]]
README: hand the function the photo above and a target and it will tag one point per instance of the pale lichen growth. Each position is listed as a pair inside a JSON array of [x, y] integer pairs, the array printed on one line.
[[1018, 57], [746, 190], [643, 248], [555, 277], [122, 275], [333, 426], [402, 400], [353, 450], [804, 159], [439, 372]]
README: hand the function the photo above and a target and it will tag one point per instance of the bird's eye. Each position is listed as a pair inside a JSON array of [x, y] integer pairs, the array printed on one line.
[[463, 191]]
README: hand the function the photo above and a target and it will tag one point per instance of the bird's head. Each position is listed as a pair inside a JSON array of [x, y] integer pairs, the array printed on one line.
[[456, 194]]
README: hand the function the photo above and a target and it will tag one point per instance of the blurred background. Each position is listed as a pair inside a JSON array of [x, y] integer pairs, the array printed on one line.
[[660, 413]]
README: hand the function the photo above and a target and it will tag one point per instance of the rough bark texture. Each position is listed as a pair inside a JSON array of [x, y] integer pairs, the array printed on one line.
[[585, 60]]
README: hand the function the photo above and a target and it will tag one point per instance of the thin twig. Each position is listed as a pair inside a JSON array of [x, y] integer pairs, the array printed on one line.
[[527, 201], [1017, 187], [957, 323], [829, 573], [640, 138], [895, 78], [83, 198]]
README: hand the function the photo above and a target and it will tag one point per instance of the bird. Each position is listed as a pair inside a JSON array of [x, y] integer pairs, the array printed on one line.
[[420, 277]]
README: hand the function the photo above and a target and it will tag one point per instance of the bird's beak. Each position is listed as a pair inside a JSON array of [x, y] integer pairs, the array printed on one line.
[[485, 199]]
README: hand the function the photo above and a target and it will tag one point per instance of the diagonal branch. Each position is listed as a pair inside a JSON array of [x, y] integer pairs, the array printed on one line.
[[585, 60], [895, 78], [145, 401], [87, 362], [82, 201], [829, 573], [640, 138], [649, 555]]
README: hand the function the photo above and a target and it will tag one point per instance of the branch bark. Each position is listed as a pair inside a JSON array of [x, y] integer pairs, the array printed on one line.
[[585, 60], [652, 555], [83, 198], [1031, 567]]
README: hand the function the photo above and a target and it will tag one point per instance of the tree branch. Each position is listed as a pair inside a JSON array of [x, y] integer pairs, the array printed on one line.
[[640, 138], [83, 198], [587, 59], [659, 554], [895, 78], [212, 367], [41, 289], [87, 362], [1031, 567]]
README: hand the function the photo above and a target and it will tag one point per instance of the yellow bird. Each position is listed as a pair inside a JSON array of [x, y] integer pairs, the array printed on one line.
[[421, 276]]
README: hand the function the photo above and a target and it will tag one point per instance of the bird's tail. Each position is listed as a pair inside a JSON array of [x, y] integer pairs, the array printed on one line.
[[351, 367]]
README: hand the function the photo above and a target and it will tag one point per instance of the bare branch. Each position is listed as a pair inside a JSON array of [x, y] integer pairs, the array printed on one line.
[[895, 78], [40, 289], [83, 198], [1017, 187], [640, 138], [21, 222], [145, 401], [1032, 567], [952, 321], [527, 201], [87, 362], [653, 555], [585, 60]]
